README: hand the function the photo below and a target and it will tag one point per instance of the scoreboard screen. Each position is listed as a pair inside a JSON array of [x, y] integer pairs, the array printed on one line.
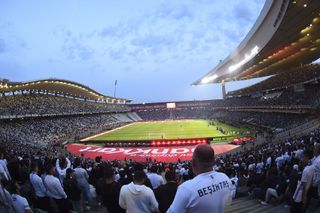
[[171, 105]]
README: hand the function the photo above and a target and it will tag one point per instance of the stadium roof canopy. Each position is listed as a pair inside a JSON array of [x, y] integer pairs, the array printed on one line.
[[58, 86], [285, 35]]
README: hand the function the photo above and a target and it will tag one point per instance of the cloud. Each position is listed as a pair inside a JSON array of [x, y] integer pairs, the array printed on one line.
[[242, 12], [167, 11], [75, 49]]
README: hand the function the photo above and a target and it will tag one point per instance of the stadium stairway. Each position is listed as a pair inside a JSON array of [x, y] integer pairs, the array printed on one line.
[[249, 205]]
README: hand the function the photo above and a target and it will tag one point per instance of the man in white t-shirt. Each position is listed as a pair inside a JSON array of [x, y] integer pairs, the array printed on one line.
[[209, 191], [155, 179]]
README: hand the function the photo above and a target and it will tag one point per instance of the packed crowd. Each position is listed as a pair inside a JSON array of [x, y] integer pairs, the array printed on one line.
[[53, 180], [265, 120], [47, 104], [51, 130], [268, 120], [297, 75], [178, 113]]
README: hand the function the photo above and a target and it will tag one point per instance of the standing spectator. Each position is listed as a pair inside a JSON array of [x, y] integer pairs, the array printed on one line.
[[73, 191], [82, 177], [55, 190], [136, 197], [111, 192], [41, 201], [6, 205], [123, 179], [316, 163], [165, 193], [4, 163], [20, 204], [155, 179], [62, 164], [301, 196], [209, 191]]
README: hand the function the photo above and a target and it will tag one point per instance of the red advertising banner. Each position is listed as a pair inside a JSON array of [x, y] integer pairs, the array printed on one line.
[[164, 154]]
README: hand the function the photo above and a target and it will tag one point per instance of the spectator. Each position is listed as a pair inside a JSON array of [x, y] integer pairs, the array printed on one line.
[[316, 163], [278, 191], [81, 175], [301, 196], [136, 197], [20, 204], [41, 201], [123, 179], [6, 205], [73, 191], [56, 190], [165, 193], [155, 179], [209, 191], [62, 164], [111, 192]]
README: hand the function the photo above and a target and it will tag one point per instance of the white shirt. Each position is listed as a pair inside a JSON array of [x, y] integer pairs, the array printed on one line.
[[38, 186], [3, 174], [308, 175], [54, 187], [4, 165], [316, 164], [207, 192], [81, 176], [306, 180], [137, 199], [20, 204], [62, 171], [156, 180]]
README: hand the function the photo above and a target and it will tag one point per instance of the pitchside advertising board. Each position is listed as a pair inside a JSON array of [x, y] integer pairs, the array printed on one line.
[[164, 154]]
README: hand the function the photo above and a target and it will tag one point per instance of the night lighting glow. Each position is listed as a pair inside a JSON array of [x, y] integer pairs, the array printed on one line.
[[247, 57]]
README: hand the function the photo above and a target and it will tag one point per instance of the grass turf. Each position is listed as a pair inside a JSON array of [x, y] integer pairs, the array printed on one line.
[[181, 129]]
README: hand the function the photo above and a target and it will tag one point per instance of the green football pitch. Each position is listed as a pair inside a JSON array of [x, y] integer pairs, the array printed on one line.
[[180, 129]]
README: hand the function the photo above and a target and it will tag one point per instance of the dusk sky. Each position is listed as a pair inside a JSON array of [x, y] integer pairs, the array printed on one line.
[[155, 49]]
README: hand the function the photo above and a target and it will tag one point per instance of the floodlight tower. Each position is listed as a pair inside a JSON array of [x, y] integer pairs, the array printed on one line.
[[223, 86]]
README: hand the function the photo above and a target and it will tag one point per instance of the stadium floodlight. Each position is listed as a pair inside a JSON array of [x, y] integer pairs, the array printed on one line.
[[247, 57], [208, 79]]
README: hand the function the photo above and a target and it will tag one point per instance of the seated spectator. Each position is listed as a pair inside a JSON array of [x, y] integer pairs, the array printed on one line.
[[166, 193], [136, 197], [278, 191]]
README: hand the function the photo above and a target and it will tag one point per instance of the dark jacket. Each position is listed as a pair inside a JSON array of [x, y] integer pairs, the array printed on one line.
[[165, 195], [71, 188], [110, 197]]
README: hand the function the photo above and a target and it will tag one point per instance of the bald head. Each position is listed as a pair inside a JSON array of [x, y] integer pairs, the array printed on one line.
[[204, 153], [202, 159]]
